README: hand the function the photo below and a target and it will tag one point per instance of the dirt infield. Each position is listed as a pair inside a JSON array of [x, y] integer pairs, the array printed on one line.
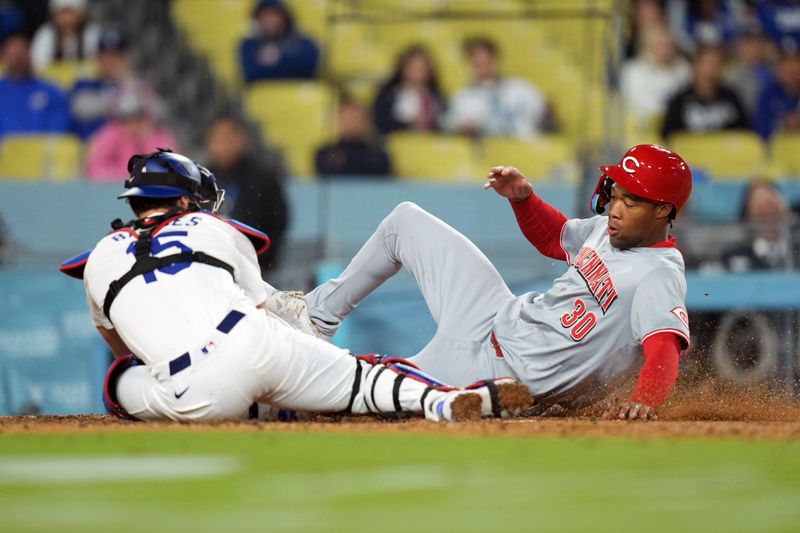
[[705, 410], [562, 427]]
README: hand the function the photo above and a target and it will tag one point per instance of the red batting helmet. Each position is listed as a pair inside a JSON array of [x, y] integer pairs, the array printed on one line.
[[650, 171]]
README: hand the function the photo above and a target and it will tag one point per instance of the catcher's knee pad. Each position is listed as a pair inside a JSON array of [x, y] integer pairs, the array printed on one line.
[[115, 371]]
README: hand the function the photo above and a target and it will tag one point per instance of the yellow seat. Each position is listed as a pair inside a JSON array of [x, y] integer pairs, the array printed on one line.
[[549, 156], [214, 28], [785, 151], [66, 73], [438, 157], [57, 157], [294, 116], [723, 155]]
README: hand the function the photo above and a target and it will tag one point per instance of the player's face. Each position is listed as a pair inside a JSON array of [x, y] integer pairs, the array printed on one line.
[[634, 221]]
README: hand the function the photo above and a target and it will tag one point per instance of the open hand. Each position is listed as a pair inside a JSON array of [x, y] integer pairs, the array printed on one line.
[[508, 182], [630, 411]]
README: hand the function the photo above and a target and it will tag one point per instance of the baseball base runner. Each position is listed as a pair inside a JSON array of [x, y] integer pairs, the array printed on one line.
[[622, 295]]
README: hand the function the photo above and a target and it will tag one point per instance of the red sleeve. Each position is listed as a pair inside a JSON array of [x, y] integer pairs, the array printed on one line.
[[660, 369], [541, 223]]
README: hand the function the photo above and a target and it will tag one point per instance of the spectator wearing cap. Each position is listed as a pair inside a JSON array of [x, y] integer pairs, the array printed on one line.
[[750, 71], [28, 104], [90, 98], [276, 50], [67, 36], [778, 106], [11, 19], [706, 103], [131, 130]]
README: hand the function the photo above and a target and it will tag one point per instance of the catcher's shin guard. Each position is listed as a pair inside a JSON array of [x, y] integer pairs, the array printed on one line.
[[392, 385], [115, 371]]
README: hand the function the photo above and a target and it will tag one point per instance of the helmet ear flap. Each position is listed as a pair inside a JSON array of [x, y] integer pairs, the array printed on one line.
[[602, 195]]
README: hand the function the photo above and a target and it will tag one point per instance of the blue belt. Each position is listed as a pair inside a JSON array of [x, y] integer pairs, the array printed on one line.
[[182, 362]]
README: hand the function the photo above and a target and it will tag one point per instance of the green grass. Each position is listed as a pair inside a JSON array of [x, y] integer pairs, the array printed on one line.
[[287, 481]]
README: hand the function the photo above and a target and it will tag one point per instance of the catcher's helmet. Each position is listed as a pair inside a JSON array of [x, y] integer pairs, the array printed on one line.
[[164, 174], [650, 171]]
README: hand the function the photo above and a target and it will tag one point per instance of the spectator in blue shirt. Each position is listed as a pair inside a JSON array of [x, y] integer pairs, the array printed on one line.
[[779, 103], [276, 50], [91, 99], [28, 104], [702, 23], [781, 22]]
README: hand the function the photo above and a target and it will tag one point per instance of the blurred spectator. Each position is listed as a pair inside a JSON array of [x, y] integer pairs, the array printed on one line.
[[750, 71], [132, 130], [252, 177], [650, 80], [706, 104], [493, 104], [91, 99], [68, 36], [778, 106], [11, 19], [781, 22], [27, 104], [702, 23], [766, 216], [646, 15], [410, 99], [276, 50], [353, 154]]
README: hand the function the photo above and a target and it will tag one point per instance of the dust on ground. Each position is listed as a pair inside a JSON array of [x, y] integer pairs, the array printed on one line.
[[704, 410]]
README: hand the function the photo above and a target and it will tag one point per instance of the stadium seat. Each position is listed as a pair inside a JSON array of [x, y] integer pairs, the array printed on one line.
[[549, 156], [785, 152], [57, 157], [294, 116], [214, 28], [722, 155], [66, 73], [438, 157]]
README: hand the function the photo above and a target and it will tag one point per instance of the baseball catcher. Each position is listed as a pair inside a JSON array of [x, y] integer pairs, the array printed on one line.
[[622, 294], [177, 295]]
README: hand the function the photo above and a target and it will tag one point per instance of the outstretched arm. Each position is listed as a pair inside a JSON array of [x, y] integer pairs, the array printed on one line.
[[540, 222], [658, 374]]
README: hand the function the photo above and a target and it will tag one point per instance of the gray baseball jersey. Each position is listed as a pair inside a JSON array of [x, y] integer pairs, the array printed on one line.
[[584, 334], [568, 345]]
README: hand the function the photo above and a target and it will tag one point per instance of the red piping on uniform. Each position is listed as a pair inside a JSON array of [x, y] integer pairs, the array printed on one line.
[[670, 242], [674, 331], [263, 237]]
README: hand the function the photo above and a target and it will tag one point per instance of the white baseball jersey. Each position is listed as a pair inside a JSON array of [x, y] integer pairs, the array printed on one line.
[[585, 333], [209, 352], [160, 314]]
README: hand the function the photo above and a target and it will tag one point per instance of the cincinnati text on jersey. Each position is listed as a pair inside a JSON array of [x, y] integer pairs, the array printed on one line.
[[595, 273]]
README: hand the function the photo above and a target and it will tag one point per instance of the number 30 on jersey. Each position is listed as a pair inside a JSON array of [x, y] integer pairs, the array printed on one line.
[[579, 322]]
